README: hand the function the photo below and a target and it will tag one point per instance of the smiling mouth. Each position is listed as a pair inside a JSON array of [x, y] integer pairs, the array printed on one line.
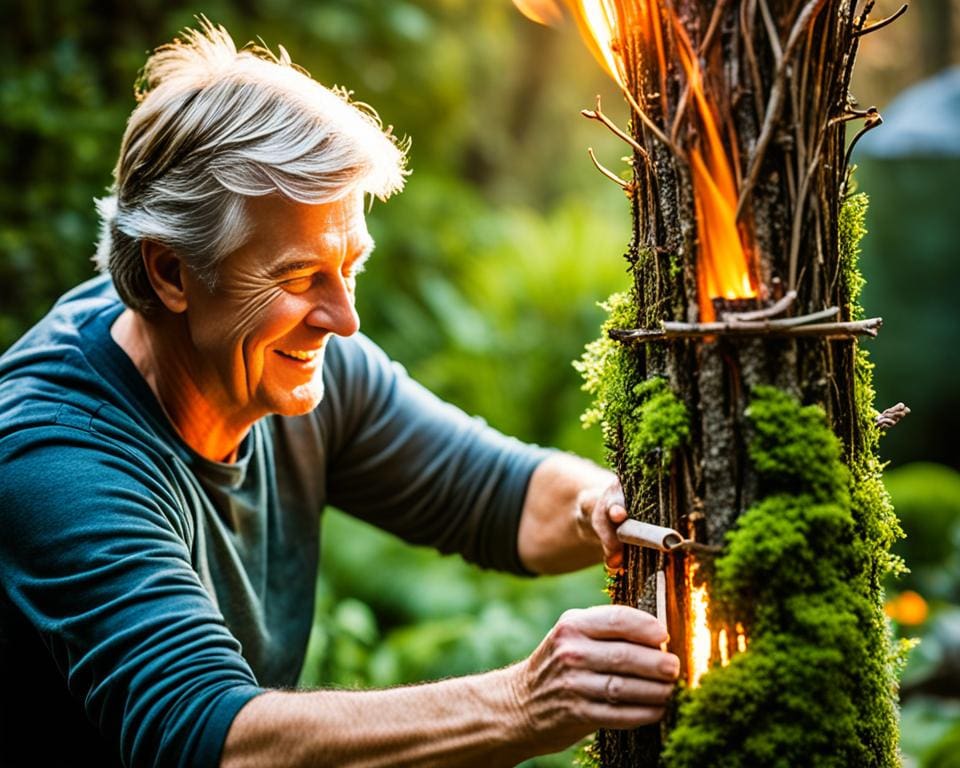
[[300, 356]]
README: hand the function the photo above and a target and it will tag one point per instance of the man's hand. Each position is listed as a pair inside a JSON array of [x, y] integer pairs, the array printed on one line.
[[570, 516], [599, 667], [599, 513]]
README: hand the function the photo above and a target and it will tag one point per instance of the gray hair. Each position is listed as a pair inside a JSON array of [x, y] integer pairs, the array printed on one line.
[[215, 125]]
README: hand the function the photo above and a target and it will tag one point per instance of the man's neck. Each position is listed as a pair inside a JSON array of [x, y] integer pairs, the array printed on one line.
[[161, 363]]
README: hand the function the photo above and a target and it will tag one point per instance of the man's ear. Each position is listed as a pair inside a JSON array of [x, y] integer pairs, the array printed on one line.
[[165, 270]]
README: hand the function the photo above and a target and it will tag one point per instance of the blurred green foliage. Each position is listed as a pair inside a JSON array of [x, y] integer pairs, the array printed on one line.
[[485, 279], [927, 500]]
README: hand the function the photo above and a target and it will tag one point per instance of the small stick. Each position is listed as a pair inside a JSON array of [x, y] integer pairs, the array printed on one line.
[[882, 23], [597, 114], [626, 186], [758, 325], [774, 103], [853, 114], [773, 310], [869, 124], [867, 327], [645, 119], [892, 416], [662, 603]]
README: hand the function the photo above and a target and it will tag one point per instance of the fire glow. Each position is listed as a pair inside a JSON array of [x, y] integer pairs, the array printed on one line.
[[701, 636], [724, 258]]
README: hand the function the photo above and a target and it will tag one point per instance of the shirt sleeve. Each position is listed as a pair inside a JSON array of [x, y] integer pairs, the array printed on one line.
[[94, 554], [416, 466]]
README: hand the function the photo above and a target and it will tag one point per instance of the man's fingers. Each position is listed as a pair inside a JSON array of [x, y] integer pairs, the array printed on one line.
[[615, 657], [617, 514], [622, 689], [617, 622], [605, 530]]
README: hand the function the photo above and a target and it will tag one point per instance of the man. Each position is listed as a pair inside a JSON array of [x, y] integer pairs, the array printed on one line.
[[170, 433]]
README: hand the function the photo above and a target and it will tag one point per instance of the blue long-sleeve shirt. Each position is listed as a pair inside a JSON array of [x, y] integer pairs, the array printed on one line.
[[149, 593]]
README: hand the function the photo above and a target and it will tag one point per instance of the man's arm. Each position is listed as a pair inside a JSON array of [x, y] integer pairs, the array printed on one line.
[[570, 513], [598, 667]]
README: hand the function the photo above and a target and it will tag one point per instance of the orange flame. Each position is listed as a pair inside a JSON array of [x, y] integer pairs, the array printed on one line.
[[700, 639], [723, 260], [701, 635]]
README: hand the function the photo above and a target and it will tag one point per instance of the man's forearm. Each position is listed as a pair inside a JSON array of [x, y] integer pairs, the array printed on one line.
[[549, 539], [464, 721]]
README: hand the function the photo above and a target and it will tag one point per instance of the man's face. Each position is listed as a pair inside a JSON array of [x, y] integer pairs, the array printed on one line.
[[258, 338]]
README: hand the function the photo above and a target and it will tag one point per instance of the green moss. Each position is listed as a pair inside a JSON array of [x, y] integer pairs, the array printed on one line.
[[588, 756], [814, 687], [793, 449], [851, 229], [605, 368], [655, 425], [652, 420]]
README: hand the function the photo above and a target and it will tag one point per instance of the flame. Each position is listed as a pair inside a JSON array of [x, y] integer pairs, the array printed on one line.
[[701, 635], [723, 259], [700, 639]]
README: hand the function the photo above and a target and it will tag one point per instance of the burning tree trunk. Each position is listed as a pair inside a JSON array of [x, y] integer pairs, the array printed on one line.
[[734, 398]]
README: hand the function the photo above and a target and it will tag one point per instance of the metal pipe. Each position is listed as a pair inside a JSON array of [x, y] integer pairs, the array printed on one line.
[[650, 536]]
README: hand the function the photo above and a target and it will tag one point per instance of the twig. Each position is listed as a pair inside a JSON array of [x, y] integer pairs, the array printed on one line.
[[797, 224], [853, 114], [597, 114], [882, 23], [645, 119], [775, 102], [625, 185], [674, 330], [773, 310], [704, 45], [771, 31], [868, 125], [746, 29], [784, 322], [892, 416], [689, 545]]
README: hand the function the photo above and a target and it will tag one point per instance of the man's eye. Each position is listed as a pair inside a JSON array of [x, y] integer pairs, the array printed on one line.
[[298, 284]]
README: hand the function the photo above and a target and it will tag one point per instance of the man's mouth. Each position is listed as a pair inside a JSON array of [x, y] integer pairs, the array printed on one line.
[[302, 356]]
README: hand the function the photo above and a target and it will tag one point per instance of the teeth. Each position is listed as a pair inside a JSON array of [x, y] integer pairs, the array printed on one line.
[[304, 356]]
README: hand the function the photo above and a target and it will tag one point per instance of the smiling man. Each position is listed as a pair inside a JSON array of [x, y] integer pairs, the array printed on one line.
[[171, 432]]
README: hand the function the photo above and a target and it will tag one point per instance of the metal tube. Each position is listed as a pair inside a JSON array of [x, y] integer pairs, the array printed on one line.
[[650, 536]]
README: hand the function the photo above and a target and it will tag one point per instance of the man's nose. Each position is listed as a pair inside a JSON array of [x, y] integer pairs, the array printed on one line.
[[335, 311]]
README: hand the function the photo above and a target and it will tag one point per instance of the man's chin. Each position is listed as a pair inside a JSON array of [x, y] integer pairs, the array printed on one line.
[[301, 401]]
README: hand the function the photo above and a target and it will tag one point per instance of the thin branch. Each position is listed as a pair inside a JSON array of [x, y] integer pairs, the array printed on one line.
[[674, 330], [797, 224], [868, 125], [645, 119], [704, 46], [765, 324], [775, 102], [746, 30], [626, 186], [882, 23], [773, 310], [771, 31], [597, 114], [853, 114]]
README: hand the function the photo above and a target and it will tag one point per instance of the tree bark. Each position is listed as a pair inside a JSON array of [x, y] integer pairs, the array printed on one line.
[[775, 74]]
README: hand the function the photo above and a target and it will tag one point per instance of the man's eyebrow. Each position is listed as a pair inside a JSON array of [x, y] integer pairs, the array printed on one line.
[[301, 265], [282, 270]]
